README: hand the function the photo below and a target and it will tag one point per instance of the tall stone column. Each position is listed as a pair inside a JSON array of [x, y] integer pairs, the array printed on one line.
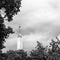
[[19, 41]]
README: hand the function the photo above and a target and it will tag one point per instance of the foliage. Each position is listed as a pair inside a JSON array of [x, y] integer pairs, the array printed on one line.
[[10, 8], [54, 52], [45, 53], [16, 55], [39, 52], [55, 45], [54, 56], [4, 33]]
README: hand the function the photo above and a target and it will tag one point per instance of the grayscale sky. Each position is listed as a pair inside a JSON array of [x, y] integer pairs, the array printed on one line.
[[39, 20]]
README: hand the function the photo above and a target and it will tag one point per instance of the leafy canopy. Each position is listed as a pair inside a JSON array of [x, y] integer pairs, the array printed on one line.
[[9, 9]]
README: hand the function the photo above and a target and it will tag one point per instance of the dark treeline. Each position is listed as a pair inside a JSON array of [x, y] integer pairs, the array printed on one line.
[[9, 9], [40, 53]]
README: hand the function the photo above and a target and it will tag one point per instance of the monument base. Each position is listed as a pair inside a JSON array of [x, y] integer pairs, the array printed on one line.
[[19, 44]]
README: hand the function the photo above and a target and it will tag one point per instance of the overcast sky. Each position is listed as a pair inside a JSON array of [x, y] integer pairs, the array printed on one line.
[[39, 20]]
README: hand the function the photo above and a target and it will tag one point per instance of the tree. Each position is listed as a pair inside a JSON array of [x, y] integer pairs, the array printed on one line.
[[54, 51], [45, 53], [39, 53], [16, 55], [21, 54], [10, 8], [54, 45]]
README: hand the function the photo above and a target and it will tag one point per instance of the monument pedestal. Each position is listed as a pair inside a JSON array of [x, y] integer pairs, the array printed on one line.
[[19, 44]]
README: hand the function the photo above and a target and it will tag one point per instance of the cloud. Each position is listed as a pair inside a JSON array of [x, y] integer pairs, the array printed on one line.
[[37, 17], [29, 41], [34, 12], [55, 4]]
